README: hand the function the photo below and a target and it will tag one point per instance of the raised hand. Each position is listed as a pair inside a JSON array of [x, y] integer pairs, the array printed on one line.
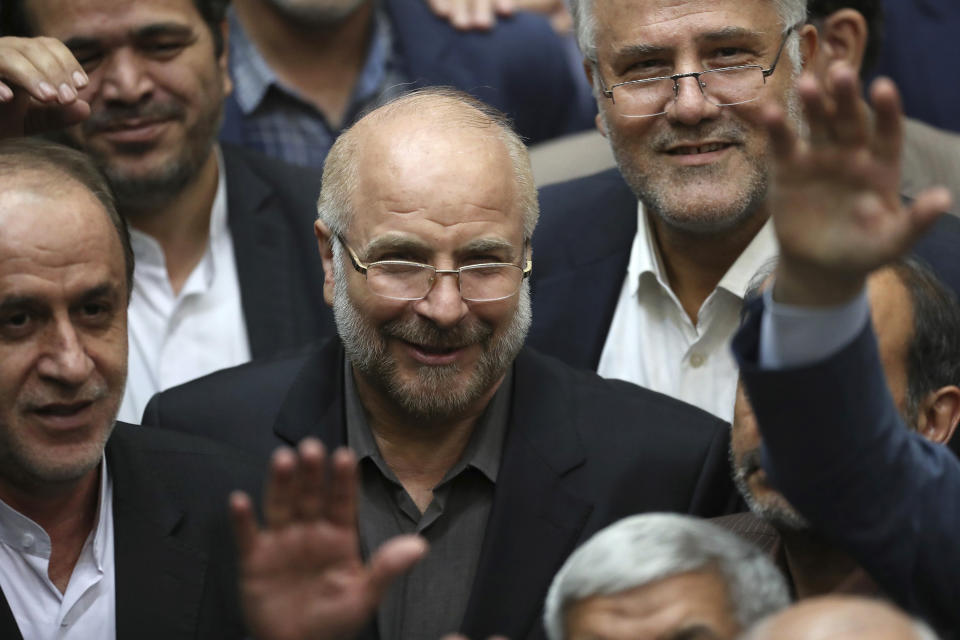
[[39, 84], [482, 14], [835, 200], [301, 577]]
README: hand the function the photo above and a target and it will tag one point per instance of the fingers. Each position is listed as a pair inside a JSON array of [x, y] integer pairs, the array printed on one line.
[[851, 124], [244, 521], [43, 67], [281, 492], [391, 560], [783, 139], [927, 207], [341, 507], [309, 501], [889, 113]]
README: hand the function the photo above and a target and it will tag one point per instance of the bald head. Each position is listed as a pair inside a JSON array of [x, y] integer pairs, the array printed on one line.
[[840, 618], [430, 136]]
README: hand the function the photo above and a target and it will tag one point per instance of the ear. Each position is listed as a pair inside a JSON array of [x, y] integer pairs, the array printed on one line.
[[844, 37], [939, 414], [325, 241], [808, 45], [224, 61]]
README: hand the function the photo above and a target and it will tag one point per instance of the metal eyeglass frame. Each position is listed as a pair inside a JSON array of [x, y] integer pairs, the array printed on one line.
[[362, 268], [608, 92]]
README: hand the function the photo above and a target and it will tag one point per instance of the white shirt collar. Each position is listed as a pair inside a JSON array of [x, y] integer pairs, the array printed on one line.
[[645, 258], [21, 533]]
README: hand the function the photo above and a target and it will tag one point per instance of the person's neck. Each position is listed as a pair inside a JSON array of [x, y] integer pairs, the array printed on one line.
[[816, 567], [182, 224], [322, 64], [66, 511], [420, 452], [696, 262]]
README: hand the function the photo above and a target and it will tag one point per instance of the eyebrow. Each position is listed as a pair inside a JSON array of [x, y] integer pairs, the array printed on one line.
[[720, 35], [487, 245], [142, 33], [102, 290], [395, 242]]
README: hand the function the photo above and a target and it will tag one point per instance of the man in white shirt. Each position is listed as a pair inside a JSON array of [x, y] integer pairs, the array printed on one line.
[[224, 270], [678, 87]]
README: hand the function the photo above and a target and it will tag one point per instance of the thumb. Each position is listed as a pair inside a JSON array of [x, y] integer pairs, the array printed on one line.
[[393, 559]]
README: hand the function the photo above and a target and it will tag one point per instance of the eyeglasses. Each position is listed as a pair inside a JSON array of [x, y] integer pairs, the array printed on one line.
[[723, 87], [404, 280]]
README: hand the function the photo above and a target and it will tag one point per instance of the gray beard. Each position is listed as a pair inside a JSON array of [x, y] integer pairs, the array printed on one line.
[[366, 348], [780, 515]]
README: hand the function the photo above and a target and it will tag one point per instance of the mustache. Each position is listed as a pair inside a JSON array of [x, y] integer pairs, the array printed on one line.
[[732, 132], [114, 116], [39, 400], [422, 332]]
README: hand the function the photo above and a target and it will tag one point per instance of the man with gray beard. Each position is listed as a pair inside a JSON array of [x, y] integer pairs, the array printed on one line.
[[306, 69], [661, 250], [504, 460], [917, 323], [223, 272]]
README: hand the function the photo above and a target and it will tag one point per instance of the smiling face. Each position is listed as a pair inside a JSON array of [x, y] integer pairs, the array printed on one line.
[[698, 167], [63, 331], [156, 89], [442, 195]]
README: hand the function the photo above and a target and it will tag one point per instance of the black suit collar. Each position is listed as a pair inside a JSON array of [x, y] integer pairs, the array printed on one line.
[[534, 523], [159, 580]]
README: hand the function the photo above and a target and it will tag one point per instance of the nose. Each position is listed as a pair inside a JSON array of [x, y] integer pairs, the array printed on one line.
[[65, 360], [124, 77], [443, 305], [690, 105]]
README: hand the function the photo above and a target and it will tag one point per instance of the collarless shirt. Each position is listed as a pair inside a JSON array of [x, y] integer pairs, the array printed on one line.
[[87, 608], [175, 338], [431, 599], [653, 343], [281, 123]]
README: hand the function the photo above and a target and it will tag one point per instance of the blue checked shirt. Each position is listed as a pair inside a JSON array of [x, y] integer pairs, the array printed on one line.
[[280, 123]]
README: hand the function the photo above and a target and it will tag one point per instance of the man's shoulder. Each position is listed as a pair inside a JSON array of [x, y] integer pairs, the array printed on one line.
[[241, 163], [629, 406], [232, 404]]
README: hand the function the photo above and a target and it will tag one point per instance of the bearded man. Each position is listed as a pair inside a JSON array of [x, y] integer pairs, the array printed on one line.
[[502, 459]]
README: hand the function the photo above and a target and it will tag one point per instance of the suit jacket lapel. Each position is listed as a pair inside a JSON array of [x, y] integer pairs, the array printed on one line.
[[8, 624], [159, 580], [261, 271], [314, 405], [535, 522]]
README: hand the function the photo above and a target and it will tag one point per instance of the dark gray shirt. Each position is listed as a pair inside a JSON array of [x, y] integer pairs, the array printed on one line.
[[432, 599]]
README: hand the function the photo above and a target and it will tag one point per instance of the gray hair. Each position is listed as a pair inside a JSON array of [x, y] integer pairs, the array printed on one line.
[[790, 12], [643, 549], [340, 178]]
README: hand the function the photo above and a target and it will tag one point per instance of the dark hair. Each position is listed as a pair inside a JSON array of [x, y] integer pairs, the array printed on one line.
[[933, 356], [20, 155], [14, 19], [871, 10]]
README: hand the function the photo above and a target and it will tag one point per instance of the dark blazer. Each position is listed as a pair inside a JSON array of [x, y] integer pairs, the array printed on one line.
[[520, 66], [175, 564], [836, 447], [580, 452], [581, 250], [271, 207]]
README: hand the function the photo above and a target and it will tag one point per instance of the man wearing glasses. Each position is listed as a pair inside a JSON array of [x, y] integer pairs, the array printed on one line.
[[662, 265], [502, 459]]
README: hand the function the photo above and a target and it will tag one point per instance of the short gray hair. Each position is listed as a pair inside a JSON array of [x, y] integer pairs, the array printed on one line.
[[791, 13], [643, 549], [340, 178]]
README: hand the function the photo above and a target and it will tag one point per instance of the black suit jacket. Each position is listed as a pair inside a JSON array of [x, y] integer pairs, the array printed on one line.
[[582, 248], [271, 207], [175, 564], [580, 452]]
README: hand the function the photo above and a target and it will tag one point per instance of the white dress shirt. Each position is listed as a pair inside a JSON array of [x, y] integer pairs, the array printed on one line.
[[87, 608], [176, 338], [653, 343]]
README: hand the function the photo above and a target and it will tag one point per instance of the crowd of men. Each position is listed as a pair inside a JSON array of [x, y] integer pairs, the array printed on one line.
[[708, 393]]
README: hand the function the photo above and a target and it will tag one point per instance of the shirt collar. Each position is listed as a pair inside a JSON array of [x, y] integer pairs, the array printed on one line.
[[253, 78], [149, 255], [482, 452], [645, 257], [16, 528]]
